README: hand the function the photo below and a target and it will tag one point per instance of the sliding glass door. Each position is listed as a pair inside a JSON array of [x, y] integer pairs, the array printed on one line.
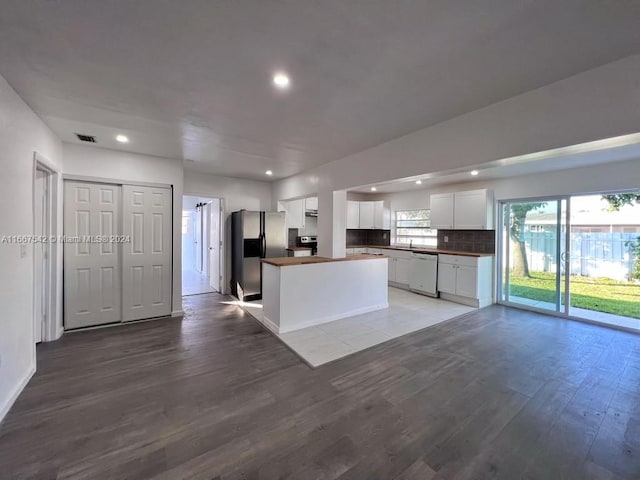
[[573, 256], [533, 259]]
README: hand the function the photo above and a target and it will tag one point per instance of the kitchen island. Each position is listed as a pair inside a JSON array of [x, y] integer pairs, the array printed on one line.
[[300, 292]]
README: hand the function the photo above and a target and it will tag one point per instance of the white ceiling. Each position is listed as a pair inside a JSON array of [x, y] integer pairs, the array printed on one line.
[[191, 79]]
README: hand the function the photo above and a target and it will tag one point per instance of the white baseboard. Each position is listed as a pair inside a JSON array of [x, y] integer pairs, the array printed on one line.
[[332, 318], [471, 302], [4, 409], [269, 324], [177, 313]]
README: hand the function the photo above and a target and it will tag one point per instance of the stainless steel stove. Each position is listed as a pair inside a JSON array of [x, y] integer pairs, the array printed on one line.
[[308, 241]]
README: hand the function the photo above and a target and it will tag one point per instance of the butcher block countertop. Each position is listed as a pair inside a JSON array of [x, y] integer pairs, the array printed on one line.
[[424, 250], [289, 261]]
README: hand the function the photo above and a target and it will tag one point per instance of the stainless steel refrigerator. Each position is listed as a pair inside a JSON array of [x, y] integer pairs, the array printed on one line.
[[254, 236]]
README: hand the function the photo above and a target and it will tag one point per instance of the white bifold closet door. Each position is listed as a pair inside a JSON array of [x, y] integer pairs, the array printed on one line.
[[92, 289], [146, 259]]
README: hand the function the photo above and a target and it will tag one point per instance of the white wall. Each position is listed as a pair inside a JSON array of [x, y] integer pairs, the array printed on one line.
[[593, 105], [610, 177], [21, 134], [237, 194], [131, 167]]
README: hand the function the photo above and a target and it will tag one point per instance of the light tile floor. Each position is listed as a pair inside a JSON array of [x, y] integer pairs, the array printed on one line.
[[408, 312], [194, 283]]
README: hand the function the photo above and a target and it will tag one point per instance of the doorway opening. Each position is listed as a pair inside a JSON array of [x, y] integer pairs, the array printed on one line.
[[202, 229], [574, 256], [44, 251]]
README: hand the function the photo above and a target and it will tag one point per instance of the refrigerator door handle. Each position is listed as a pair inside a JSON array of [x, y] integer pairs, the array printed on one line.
[[263, 244]]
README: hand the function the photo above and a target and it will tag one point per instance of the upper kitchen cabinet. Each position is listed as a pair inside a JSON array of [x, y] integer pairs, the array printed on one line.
[[366, 215], [353, 214], [442, 211], [473, 210], [470, 210], [381, 215], [295, 213], [311, 203]]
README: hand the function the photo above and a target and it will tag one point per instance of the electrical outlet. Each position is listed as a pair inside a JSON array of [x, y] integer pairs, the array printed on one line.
[[446, 239]]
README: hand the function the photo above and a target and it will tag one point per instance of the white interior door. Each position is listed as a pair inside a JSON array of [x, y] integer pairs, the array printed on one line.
[[146, 258], [92, 292], [40, 254], [214, 245], [206, 236], [198, 239]]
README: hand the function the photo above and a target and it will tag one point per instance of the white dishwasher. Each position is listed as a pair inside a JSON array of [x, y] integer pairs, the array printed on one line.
[[423, 274]]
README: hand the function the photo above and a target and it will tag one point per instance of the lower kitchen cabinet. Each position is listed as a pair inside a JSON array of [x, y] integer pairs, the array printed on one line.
[[467, 280], [399, 265]]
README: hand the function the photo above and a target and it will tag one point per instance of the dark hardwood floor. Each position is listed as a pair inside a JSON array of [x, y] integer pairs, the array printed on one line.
[[500, 393]]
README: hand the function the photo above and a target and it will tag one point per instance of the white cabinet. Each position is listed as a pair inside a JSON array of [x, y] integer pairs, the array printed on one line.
[[295, 213], [473, 210], [399, 265], [447, 278], [381, 215], [469, 210], [366, 215], [311, 203], [442, 211], [298, 253], [353, 214], [467, 280]]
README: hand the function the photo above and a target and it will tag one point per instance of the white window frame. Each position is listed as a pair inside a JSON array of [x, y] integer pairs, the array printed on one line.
[[430, 240]]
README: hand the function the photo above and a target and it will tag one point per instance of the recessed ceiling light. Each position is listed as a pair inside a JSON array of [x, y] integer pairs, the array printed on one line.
[[268, 172], [122, 138], [373, 189], [474, 172], [281, 80], [418, 182]]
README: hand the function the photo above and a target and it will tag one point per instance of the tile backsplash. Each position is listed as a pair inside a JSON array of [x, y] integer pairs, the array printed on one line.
[[291, 237], [369, 237], [476, 241]]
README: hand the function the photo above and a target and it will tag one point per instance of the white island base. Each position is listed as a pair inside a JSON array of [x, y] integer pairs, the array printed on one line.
[[313, 290]]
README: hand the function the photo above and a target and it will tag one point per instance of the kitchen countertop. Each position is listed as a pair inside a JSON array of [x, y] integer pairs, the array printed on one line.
[[298, 249], [424, 250], [289, 261]]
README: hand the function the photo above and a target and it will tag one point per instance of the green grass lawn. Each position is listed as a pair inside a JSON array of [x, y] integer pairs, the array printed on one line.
[[599, 294]]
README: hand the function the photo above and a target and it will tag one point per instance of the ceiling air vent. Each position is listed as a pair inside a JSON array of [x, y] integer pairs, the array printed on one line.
[[86, 138]]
